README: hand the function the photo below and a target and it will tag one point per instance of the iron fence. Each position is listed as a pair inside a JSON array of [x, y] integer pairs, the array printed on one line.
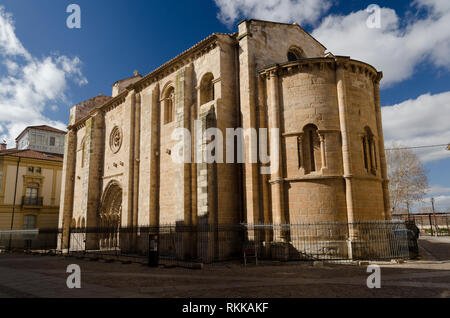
[[434, 224], [178, 244]]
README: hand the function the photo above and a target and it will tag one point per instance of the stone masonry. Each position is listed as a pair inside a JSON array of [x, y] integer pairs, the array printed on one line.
[[119, 166]]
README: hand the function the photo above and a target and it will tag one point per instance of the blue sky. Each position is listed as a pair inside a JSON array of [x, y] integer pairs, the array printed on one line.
[[58, 67]]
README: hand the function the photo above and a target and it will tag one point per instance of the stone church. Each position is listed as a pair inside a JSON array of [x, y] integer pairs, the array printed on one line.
[[118, 165]]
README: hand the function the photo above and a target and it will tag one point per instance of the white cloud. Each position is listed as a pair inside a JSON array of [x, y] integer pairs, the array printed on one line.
[[418, 122], [32, 84], [399, 45], [300, 11], [437, 190], [9, 43], [441, 204]]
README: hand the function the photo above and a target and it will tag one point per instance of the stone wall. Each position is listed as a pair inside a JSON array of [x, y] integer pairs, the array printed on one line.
[[254, 86]]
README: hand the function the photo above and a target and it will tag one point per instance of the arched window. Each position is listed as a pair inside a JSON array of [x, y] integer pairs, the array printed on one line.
[[295, 53], [169, 105], [83, 151], [310, 151], [206, 89], [369, 151]]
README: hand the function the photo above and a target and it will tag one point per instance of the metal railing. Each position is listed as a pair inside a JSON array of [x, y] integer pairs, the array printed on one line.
[[434, 224], [206, 243], [32, 201]]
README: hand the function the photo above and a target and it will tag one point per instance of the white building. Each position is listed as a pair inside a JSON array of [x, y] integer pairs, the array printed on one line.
[[42, 138]]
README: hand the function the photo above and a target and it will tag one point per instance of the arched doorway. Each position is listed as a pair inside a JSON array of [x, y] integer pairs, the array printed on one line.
[[110, 216]]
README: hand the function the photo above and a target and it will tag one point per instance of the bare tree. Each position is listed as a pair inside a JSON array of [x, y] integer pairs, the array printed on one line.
[[408, 178]]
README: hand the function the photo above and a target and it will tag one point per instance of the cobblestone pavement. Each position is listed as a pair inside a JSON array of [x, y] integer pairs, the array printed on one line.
[[45, 276]]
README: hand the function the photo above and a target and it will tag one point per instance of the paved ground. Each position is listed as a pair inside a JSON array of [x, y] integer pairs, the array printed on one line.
[[45, 276]]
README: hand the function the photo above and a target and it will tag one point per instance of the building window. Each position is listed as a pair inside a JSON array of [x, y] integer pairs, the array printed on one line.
[[83, 152], [38, 170], [311, 149], [295, 54], [32, 192], [206, 89], [31, 169], [29, 222], [169, 105], [52, 141], [369, 151]]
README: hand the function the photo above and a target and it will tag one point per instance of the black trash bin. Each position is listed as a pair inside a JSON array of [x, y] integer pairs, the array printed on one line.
[[153, 250]]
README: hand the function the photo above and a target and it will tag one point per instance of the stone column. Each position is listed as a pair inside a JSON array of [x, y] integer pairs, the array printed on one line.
[[265, 178], [155, 123], [137, 144], [322, 151], [94, 165], [346, 151], [383, 166], [248, 102], [67, 188], [301, 154], [278, 216], [262, 112]]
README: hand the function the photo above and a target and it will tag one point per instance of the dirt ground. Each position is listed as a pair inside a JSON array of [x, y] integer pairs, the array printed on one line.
[[27, 276]]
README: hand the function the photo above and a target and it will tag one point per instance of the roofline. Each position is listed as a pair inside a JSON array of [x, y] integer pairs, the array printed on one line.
[[142, 82], [35, 127], [127, 79], [289, 24], [15, 154], [336, 59]]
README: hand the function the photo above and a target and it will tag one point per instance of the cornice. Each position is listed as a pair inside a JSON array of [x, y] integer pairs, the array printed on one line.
[[320, 63], [175, 64]]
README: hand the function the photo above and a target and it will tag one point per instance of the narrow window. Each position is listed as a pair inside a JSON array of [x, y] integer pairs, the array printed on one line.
[[364, 145], [83, 152], [169, 102], [311, 154], [206, 89], [52, 141], [370, 152]]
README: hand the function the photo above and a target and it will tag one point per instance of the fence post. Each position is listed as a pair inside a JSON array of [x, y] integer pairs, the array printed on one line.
[[431, 224]]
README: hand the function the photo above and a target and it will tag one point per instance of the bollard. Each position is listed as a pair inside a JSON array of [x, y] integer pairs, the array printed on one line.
[[153, 250]]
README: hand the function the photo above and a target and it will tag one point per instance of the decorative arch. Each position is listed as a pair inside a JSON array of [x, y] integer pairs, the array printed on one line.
[[207, 88], [84, 151], [110, 215], [295, 53], [311, 149], [168, 100]]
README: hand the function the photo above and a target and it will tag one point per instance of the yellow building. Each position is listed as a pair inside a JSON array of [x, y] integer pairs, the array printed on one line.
[[30, 182]]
